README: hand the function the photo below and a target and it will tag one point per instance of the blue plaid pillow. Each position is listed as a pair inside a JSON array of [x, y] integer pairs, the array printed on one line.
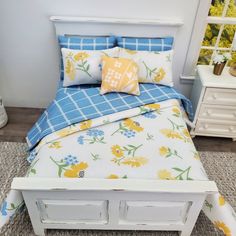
[[85, 43], [146, 44]]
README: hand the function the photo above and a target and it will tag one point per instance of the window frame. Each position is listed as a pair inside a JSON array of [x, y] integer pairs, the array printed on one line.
[[198, 35]]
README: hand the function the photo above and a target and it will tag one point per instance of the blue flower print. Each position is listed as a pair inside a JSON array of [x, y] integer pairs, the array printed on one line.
[[95, 133], [80, 140], [129, 133], [71, 160], [150, 115], [4, 208], [31, 156]]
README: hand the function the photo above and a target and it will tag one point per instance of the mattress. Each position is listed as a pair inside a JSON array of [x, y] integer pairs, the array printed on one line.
[[145, 142]]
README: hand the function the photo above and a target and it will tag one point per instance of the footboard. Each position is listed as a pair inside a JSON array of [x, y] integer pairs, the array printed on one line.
[[119, 204]]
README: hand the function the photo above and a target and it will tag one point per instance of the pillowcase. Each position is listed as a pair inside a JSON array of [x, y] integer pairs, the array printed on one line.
[[85, 43], [154, 67], [119, 75], [146, 44], [84, 66]]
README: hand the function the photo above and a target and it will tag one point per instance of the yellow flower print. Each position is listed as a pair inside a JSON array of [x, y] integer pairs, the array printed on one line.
[[163, 151], [165, 174], [85, 124], [167, 152], [113, 176], [131, 52], [176, 111], [65, 132], [55, 145], [75, 171], [81, 56], [171, 134], [153, 106], [186, 133], [135, 161], [133, 125], [117, 151], [221, 200], [160, 75], [70, 69], [222, 226], [196, 156]]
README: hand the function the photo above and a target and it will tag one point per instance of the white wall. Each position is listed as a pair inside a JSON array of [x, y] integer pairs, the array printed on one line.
[[28, 53]]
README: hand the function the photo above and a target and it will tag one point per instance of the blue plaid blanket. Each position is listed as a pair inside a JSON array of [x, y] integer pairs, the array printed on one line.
[[73, 105]]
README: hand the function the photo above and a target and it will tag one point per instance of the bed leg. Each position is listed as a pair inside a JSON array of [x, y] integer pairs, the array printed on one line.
[[39, 231]]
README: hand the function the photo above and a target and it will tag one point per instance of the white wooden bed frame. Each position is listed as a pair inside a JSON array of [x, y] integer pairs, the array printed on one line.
[[120, 204]]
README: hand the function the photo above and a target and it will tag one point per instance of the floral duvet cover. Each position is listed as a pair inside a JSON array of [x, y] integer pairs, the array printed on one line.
[[146, 142]]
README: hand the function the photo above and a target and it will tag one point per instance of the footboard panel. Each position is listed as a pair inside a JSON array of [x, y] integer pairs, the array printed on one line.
[[138, 207]]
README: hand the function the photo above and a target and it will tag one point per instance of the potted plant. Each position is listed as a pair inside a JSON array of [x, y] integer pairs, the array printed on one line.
[[3, 114], [219, 61]]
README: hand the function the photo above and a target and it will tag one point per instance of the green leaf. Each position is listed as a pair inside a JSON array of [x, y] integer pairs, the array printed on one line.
[[33, 171], [60, 171], [12, 205], [132, 146], [180, 177], [177, 169], [64, 165], [88, 66]]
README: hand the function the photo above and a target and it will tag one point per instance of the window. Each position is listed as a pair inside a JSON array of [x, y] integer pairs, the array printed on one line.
[[220, 31]]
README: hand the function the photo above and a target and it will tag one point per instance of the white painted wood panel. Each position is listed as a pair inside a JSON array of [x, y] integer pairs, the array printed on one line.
[[220, 96], [71, 211], [216, 127], [219, 112], [154, 212]]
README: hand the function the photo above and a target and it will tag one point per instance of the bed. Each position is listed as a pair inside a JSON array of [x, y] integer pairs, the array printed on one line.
[[129, 167]]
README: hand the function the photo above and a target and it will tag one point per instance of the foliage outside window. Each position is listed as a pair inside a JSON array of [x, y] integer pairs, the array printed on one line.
[[219, 37]]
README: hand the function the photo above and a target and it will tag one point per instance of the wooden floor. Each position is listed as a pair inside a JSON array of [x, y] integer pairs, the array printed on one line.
[[22, 119]]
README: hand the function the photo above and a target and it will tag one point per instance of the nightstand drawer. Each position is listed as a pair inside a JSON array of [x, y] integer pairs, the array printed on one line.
[[220, 96], [217, 112], [214, 127]]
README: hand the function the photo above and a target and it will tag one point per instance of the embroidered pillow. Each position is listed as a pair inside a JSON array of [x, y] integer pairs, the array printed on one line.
[[154, 67], [119, 75], [84, 66], [146, 44], [85, 43]]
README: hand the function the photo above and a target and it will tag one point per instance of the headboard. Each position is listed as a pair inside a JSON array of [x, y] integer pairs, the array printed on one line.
[[94, 26]]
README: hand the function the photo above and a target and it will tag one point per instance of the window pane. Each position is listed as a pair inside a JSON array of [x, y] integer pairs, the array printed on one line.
[[211, 34], [217, 7], [205, 57], [233, 54], [227, 36], [231, 12]]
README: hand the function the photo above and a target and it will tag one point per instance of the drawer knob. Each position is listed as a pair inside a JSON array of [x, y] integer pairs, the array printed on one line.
[[209, 112], [231, 128], [214, 96], [205, 126]]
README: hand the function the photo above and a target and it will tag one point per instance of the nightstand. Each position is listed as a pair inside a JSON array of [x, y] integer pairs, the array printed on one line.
[[214, 103]]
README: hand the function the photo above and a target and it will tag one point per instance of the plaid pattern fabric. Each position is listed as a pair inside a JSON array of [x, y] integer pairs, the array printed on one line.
[[73, 105], [84, 43], [146, 44]]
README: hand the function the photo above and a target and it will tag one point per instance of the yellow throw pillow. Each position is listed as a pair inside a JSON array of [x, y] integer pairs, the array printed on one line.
[[119, 75]]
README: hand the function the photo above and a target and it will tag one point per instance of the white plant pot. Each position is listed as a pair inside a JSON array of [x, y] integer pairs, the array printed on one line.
[[3, 115]]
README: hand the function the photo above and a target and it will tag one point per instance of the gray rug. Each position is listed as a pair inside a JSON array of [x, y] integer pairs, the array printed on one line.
[[220, 167]]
